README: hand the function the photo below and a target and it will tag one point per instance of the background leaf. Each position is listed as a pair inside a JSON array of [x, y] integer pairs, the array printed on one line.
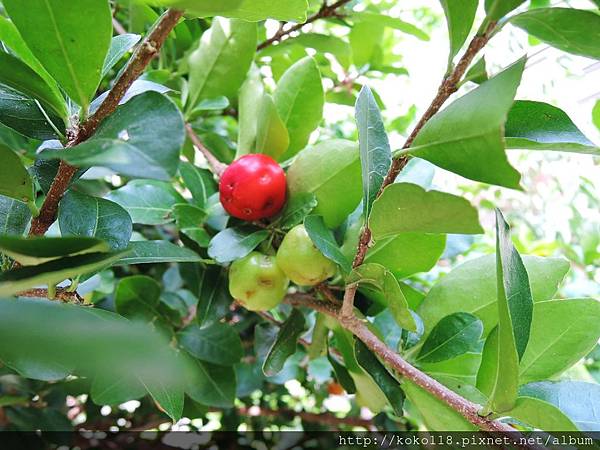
[[14, 216], [150, 252], [452, 336], [285, 343], [235, 243], [15, 181], [217, 343], [119, 46], [460, 17], [272, 137]]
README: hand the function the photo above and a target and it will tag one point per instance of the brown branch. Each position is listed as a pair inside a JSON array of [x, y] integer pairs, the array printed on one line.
[[467, 409], [119, 29], [145, 52], [62, 294], [447, 88], [324, 12], [216, 166]]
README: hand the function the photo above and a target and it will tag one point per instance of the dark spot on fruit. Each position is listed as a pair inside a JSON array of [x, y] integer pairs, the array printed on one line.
[[250, 293], [247, 211], [265, 282], [268, 203]]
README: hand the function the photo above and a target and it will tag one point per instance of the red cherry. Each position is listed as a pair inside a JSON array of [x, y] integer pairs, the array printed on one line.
[[253, 187]]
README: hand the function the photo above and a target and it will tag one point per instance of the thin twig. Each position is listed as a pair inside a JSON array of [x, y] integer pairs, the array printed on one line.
[[62, 294], [216, 166], [145, 52], [447, 88], [325, 11], [120, 29]]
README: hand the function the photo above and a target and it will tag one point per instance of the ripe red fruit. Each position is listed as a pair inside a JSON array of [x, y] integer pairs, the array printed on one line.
[[253, 187]]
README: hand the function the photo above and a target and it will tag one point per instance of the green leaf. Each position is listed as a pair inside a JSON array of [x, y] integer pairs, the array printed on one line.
[[71, 41], [462, 368], [189, 219], [211, 385], [235, 243], [477, 73], [249, 104], [169, 398], [467, 136], [285, 343], [213, 293], [452, 336], [14, 216], [109, 391], [55, 271], [20, 76], [272, 136], [22, 113], [296, 209], [460, 17], [10, 37], [471, 287], [216, 343], [382, 20], [200, 183], [388, 384], [541, 415], [540, 126], [437, 415], [596, 114], [36, 250], [382, 280], [148, 202], [151, 252], [138, 296], [299, 99], [324, 240], [375, 153], [515, 310], [322, 43], [141, 139], [405, 207], [579, 401], [221, 62], [496, 9], [119, 46], [15, 181], [342, 375], [574, 31], [84, 215], [331, 171], [250, 10]]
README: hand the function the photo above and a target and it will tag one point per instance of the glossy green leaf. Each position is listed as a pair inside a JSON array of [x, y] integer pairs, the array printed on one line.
[[250, 10], [299, 100], [141, 139], [471, 287], [540, 126], [190, 220], [466, 137], [324, 240], [151, 252], [84, 215], [41, 249], [22, 114], [452, 336], [119, 46], [213, 293], [147, 201], [405, 207], [211, 384], [322, 43], [577, 400], [216, 343], [436, 414], [375, 152], [70, 40], [15, 181], [249, 104], [272, 137], [496, 9], [109, 391], [285, 343], [572, 30], [18, 75], [462, 368], [169, 398], [477, 73], [14, 216], [388, 384], [220, 64], [383, 20], [137, 296], [55, 271], [200, 182], [331, 171], [342, 375], [515, 311], [365, 40], [235, 243], [541, 415], [296, 209], [460, 17], [596, 114]]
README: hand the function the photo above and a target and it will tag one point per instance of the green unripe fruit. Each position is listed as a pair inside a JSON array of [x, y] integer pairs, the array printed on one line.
[[257, 282], [301, 261]]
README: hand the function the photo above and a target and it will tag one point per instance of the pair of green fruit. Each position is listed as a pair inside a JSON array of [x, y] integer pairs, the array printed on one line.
[[260, 281]]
